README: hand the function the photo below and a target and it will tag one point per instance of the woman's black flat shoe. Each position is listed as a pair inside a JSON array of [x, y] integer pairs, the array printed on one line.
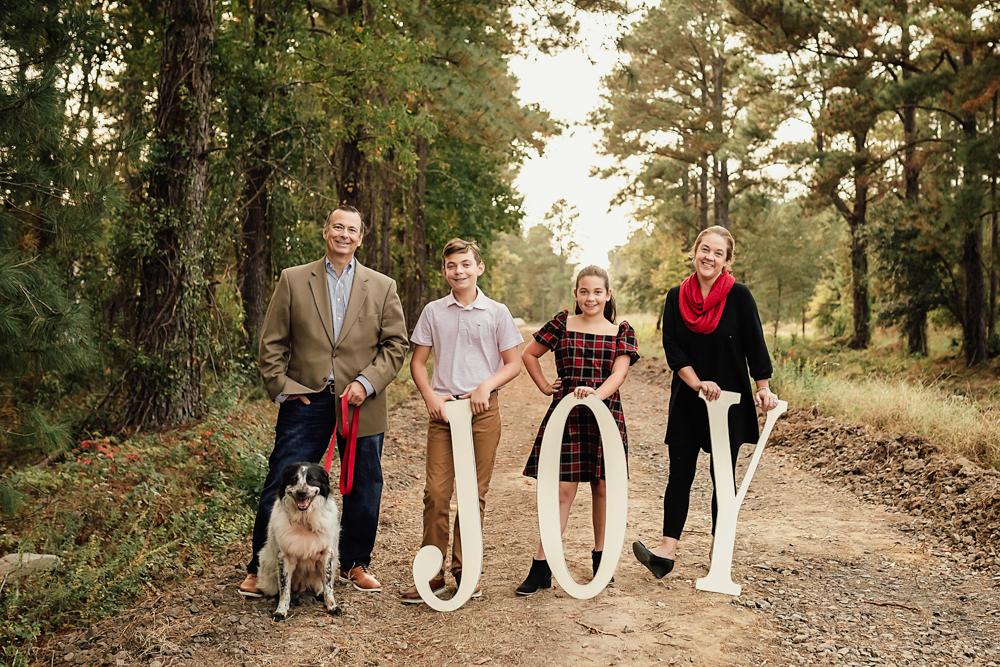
[[659, 566]]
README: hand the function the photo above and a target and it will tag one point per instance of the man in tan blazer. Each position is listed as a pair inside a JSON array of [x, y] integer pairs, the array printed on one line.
[[333, 328]]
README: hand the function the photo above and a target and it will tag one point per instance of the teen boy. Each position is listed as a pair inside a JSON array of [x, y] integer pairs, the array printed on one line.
[[475, 354]]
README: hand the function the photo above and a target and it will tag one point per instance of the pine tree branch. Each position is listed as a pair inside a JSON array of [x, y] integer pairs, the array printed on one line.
[[939, 110]]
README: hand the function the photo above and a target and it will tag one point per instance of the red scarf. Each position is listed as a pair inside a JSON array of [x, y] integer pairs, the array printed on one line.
[[702, 314]]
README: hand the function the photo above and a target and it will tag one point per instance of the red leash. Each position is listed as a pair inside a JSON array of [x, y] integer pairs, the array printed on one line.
[[351, 433]]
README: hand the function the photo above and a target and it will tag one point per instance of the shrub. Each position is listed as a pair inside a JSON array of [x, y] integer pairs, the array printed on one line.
[[127, 518]]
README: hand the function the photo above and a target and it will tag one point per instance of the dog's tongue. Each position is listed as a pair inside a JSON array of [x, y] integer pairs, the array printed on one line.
[[303, 504]]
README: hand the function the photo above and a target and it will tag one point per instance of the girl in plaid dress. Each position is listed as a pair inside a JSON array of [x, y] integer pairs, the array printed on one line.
[[593, 356]]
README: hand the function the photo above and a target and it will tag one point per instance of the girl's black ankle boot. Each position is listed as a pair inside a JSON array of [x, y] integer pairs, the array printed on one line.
[[539, 576], [595, 556]]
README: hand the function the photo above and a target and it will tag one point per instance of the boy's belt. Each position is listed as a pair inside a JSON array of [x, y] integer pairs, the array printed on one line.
[[457, 397]]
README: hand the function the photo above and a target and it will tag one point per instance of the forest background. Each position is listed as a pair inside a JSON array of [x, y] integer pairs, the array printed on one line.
[[161, 161]]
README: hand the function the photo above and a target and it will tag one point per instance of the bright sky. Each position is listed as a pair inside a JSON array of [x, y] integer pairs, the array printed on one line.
[[568, 85]]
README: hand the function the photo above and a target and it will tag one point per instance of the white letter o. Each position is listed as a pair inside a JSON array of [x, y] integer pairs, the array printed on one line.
[[616, 478]]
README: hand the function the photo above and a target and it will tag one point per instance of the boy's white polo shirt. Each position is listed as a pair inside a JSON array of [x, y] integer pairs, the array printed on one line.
[[467, 341]]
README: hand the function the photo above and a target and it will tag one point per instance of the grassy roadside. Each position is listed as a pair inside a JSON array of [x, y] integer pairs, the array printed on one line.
[[956, 408], [649, 337], [132, 518]]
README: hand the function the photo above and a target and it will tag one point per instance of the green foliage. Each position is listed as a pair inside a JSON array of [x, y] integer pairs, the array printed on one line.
[[695, 108], [55, 189], [293, 86], [805, 244], [916, 253], [128, 518], [645, 268], [829, 309], [469, 195], [10, 500], [526, 274], [903, 150], [647, 333]]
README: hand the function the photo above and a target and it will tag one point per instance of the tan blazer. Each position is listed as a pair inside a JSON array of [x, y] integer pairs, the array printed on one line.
[[297, 348]]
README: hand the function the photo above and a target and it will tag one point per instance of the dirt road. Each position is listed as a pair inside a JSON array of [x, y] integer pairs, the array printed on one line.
[[826, 579]]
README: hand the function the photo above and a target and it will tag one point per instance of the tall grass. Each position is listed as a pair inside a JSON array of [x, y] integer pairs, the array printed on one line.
[[648, 336], [957, 424]]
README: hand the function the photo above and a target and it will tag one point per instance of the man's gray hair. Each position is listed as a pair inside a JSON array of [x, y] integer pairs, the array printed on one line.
[[348, 208]]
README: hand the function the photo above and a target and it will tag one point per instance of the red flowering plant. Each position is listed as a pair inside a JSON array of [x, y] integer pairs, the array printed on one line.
[[107, 459]]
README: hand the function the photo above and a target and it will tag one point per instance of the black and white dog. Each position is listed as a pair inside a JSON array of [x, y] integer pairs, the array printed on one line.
[[301, 553]]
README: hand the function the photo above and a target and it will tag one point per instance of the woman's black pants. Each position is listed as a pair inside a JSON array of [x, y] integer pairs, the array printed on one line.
[[677, 497]]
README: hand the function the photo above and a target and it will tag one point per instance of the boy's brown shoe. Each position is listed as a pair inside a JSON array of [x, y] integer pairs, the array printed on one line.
[[412, 596], [478, 593]]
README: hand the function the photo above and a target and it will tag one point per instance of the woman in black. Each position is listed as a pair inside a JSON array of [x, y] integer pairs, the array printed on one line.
[[711, 336]]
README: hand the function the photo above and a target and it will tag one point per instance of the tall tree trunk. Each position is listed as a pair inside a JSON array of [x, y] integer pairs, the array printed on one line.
[[352, 176], [994, 238], [369, 251], [861, 329], [256, 236], [721, 166], [915, 320], [255, 260], [418, 238], [165, 384], [974, 330], [722, 194], [861, 323], [716, 200], [703, 192], [388, 186], [686, 186], [974, 333], [994, 257]]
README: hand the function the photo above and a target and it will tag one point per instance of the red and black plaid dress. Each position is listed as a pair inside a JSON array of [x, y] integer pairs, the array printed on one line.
[[582, 359]]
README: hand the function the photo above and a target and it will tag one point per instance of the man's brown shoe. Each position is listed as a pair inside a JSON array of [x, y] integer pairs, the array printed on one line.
[[248, 588], [362, 579], [412, 596], [478, 593]]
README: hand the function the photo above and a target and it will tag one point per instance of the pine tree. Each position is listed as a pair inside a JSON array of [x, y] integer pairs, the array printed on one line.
[[691, 103], [161, 260], [54, 195]]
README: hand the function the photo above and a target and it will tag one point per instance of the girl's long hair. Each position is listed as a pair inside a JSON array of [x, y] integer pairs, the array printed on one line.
[[609, 308]]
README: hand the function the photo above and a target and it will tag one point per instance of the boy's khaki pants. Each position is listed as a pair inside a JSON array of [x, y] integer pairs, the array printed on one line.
[[441, 476]]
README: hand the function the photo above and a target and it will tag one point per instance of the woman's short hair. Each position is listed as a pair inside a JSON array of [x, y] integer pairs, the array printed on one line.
[[724, 233]]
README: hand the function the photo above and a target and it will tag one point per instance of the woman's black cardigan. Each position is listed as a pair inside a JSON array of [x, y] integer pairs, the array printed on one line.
[[724, 357]]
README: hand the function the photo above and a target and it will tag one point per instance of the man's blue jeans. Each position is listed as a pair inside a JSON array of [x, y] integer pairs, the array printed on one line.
[[303, 433]]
